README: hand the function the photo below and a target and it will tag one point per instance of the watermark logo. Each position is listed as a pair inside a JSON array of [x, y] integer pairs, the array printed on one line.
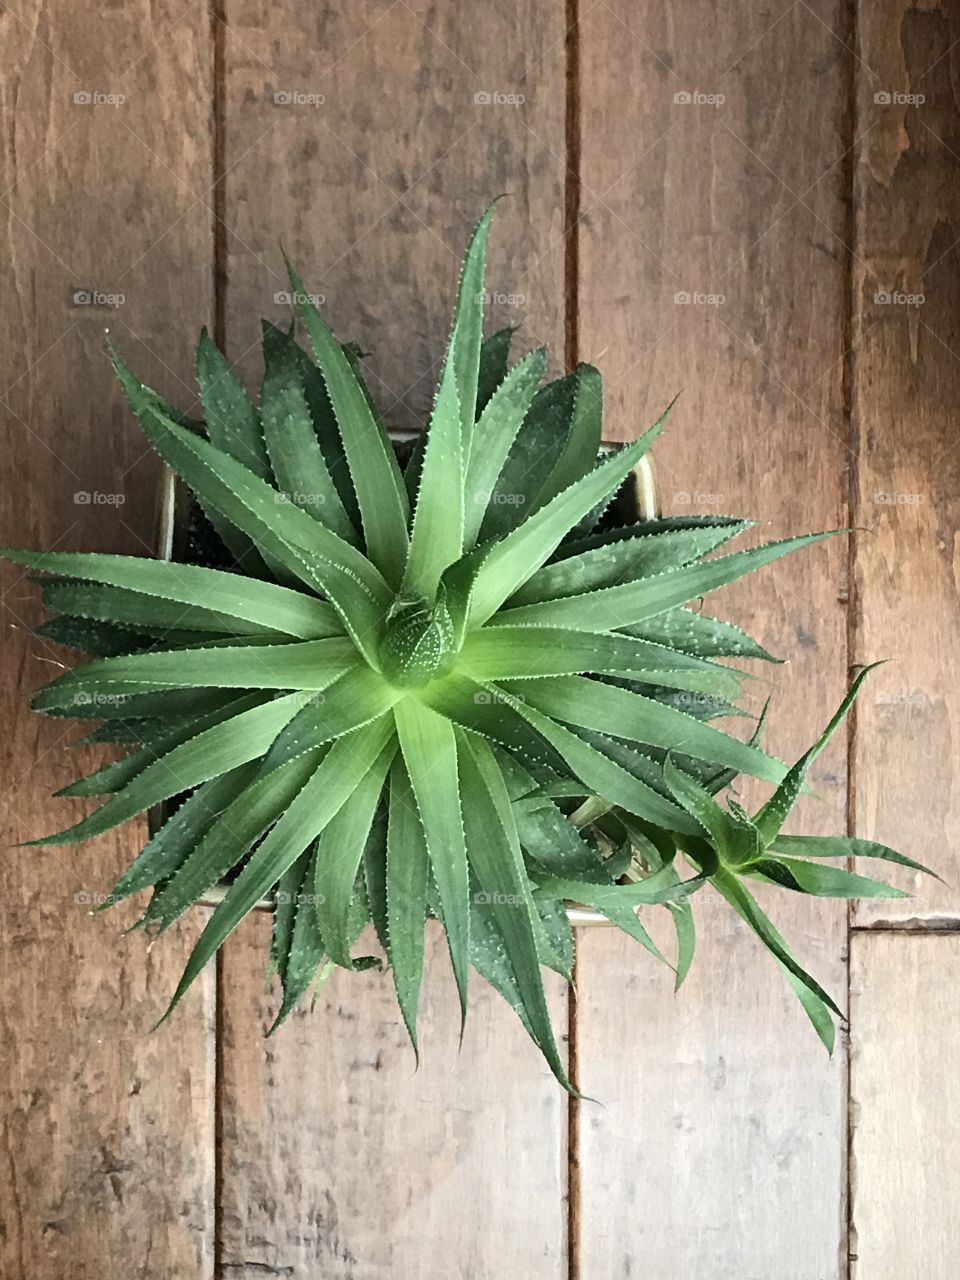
[[485, 899], [687, 698], [95, 98], [298, 499], [901, 698], [695, 98], [491, 298], [894, 498], [286, 298], [501, 499], [100, 699], [684, 298], [893, 98], [95, 898], [94, 498], [496, 98], [685, 499], [895, 298], [96, 298], [491, 697], [298, 98], [284, 899]]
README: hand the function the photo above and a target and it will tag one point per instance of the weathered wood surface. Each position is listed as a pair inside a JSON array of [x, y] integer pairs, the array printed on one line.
[[107, 1156], [722, 1112], [342, 1159], [905, 1044], [331, 1165], [799, 198], [906, 387], [374, 189]]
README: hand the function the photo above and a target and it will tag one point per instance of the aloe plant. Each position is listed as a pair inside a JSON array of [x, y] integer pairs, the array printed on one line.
[[466, 687]]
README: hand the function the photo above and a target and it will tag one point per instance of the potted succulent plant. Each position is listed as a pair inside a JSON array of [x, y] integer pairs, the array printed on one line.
[[461, 679]]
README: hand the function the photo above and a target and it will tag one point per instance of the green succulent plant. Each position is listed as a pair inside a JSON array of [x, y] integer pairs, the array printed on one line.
[[469, 686]]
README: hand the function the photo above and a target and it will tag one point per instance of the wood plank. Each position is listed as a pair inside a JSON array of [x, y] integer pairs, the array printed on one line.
[[906, 384], [905, 1043], [717, 1111], [107, 1131], [722, 1112], [330, 1164], [342, 1159], [374, 190]]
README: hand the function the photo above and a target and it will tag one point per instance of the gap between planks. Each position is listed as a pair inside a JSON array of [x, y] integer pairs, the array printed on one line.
[[218, 232], [572, 205], [916, 925]]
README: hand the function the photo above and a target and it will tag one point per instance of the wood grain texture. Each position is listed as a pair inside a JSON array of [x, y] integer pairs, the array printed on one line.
[[718, 1113], [906, 386], [106, 1151], [905, 1043], [331, 1165], [713, 261], [374, 189], [342, 1159]]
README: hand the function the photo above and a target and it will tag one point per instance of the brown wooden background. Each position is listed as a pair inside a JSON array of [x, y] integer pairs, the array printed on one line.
[[729, 1147]]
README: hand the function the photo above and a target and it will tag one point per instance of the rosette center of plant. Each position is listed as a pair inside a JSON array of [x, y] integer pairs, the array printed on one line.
[[419, 643]]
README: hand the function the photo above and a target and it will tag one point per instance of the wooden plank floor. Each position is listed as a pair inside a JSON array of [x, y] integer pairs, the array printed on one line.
[[756, 205], [107, 1131], [744, 304], [400, 154]]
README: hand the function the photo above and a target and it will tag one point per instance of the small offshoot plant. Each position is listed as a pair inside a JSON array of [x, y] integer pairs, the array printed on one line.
[[460, 683]]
